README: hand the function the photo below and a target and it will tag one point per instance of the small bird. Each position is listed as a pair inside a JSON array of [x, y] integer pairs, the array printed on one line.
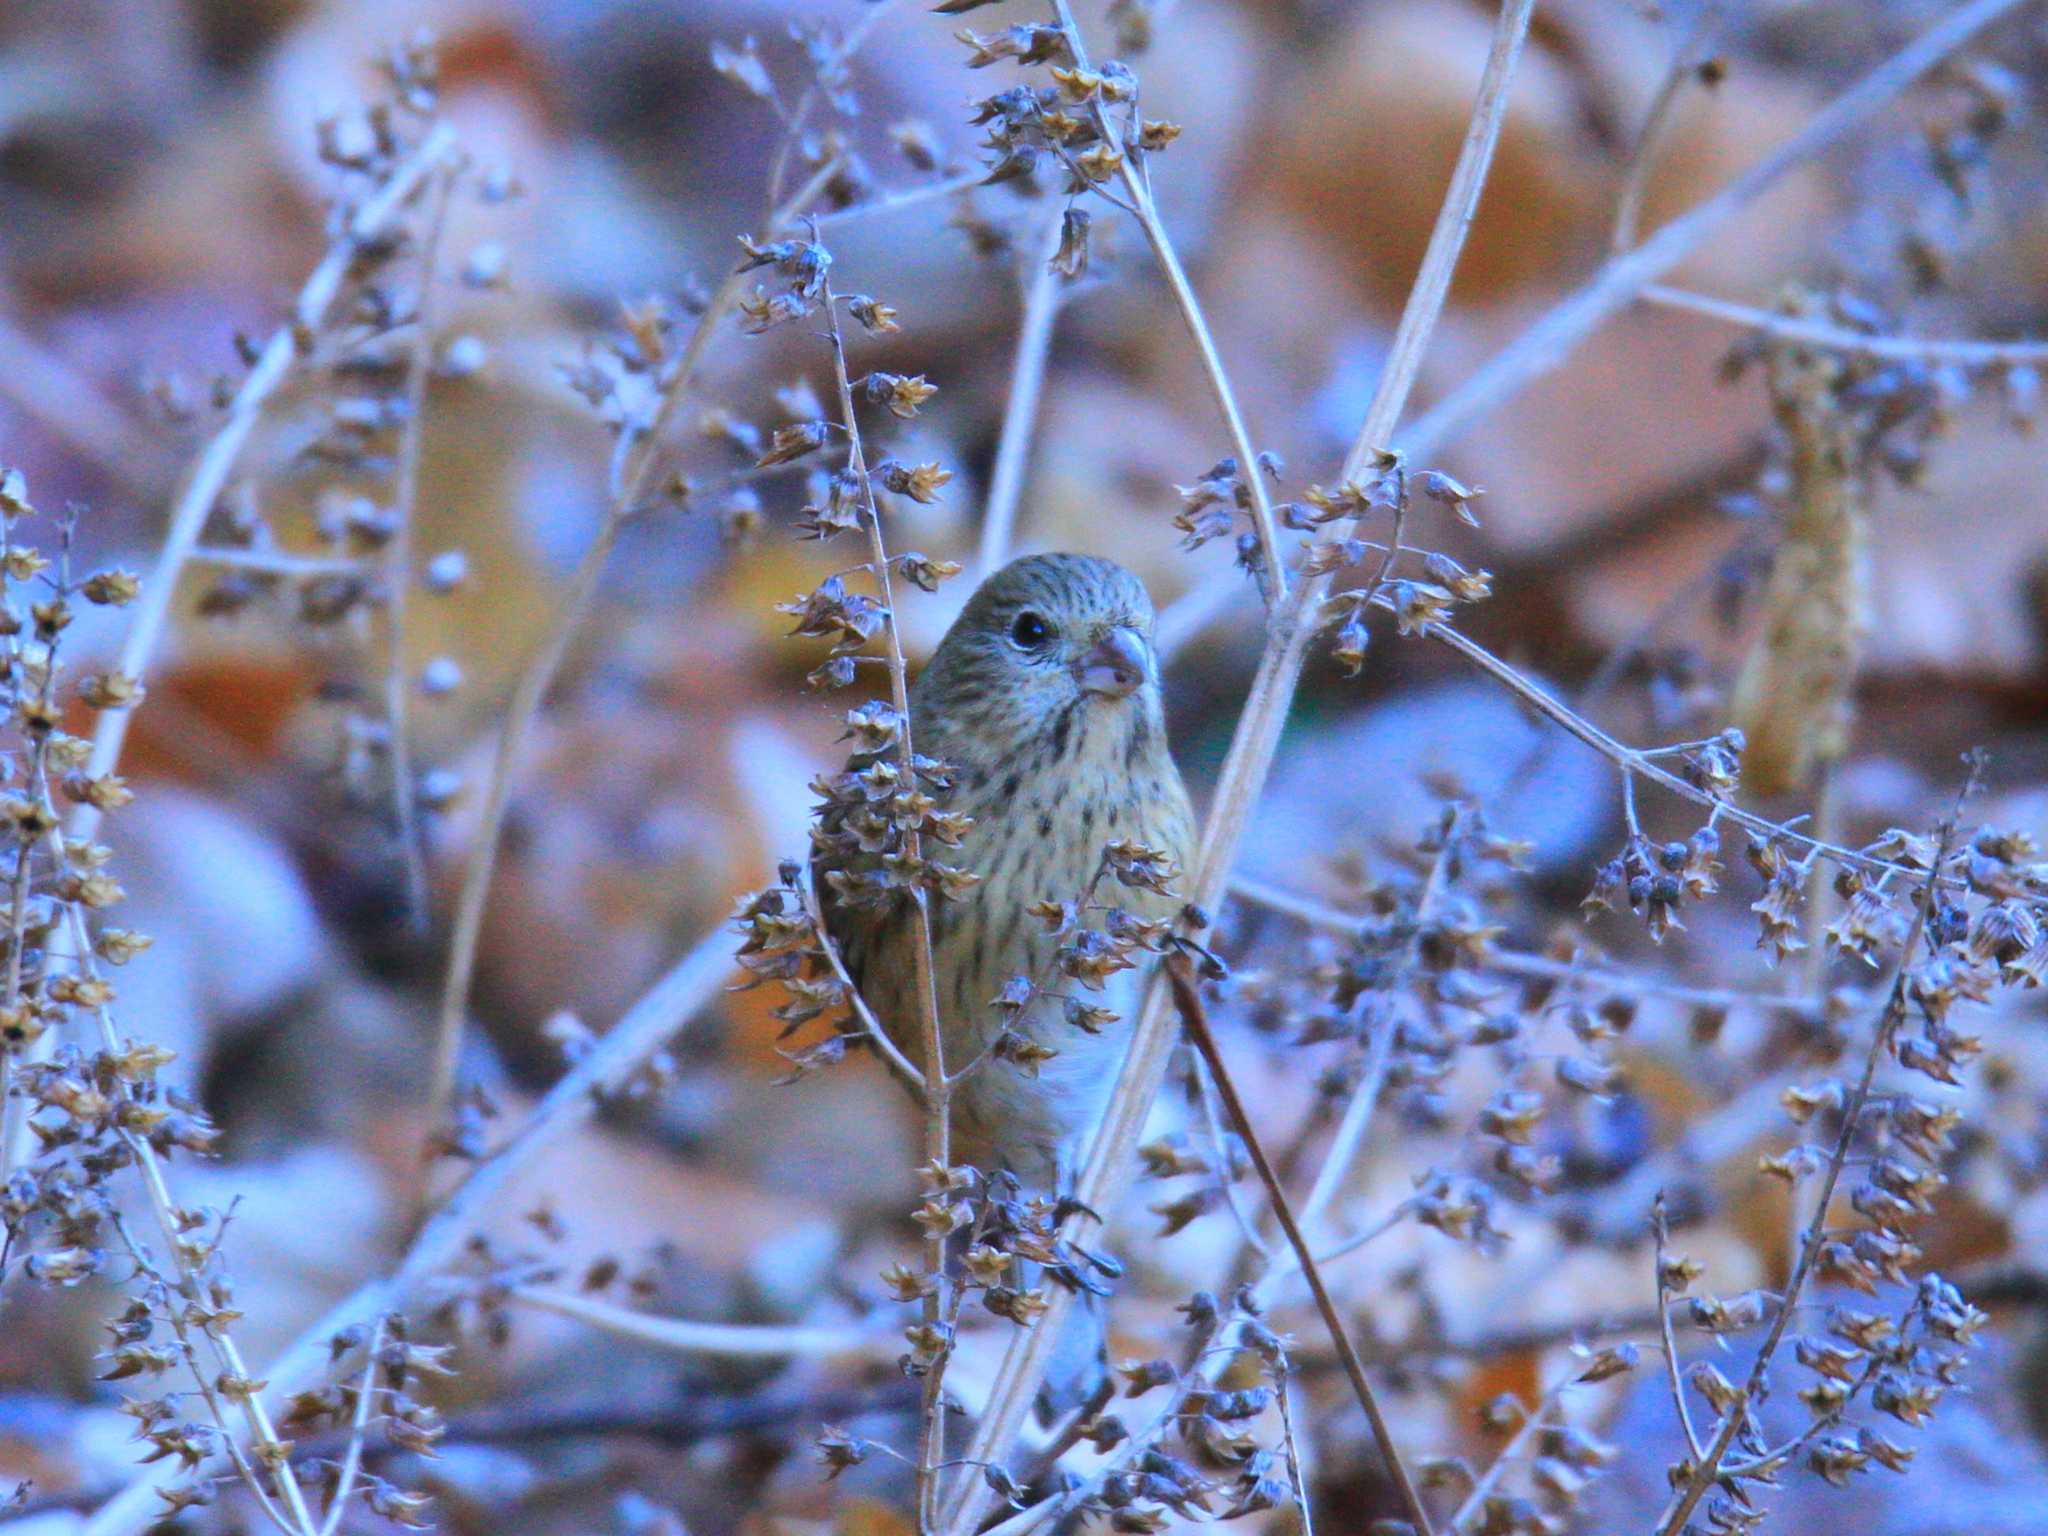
[[1044, 701]]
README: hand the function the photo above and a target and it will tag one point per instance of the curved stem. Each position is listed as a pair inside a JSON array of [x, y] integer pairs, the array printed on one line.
[[1027, 380]]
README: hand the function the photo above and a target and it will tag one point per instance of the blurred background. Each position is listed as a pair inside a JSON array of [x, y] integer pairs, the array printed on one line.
[[161, 194]]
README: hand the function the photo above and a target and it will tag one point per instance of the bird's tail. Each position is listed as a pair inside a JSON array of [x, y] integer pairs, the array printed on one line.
[[1080, 1361]]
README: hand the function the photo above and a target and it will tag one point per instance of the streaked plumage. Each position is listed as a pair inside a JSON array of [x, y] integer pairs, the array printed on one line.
[[1059, 746]]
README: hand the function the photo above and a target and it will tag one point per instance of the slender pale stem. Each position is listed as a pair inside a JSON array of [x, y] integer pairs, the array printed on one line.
[[398, 574], [684, 1336], [1660, 1229], [938, 1089], [279, 562], [1835, 338], [1547, 342], [1020, 411], [1490, 1479], [1649, 148], [638, 463], [1622, 279], [1194, 1018], [1509, 962], [255, 1414], [310, 313], [359, 1429]]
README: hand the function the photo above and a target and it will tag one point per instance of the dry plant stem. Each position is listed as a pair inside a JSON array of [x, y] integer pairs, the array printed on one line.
[[1707, 1467], [1507, 962], [938, 1088], [73, 407], [1297, 1472], [1911, 349], [1291, 629], [1685, 56], [1122, 1456], [611, 1064], [1660, 1229], [1532, 1424], [1350, 1133], [1268, 1288], [878, 1037], [1212, 1123], [906, 197], [1273, 576], [278, 562], [1027, 379], [358, 1433], [731, 1340], [227, 1355], [209, 1392], [1194, 1018], [1633, 761], [793, 130], [398, 561], [640, 455]]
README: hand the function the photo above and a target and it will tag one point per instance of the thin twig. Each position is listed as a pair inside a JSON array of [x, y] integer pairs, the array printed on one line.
[[1194, 1018], [684, 1336], [281, 562], [1123, 1455], [359, 1427], [794, 124], [1532, 1424], [310, 313], [938, 1090], [1660, 1229], [262, 1431], [1042, 283], [1350, 1133], [538, 675], [1649, 146], [901, 198], [1835, 338], [72, 406], [1212, 1123], [398, 573], [1509, 962], [1545, 343], [878, 1037], [1283, 1398], [1635, 761]]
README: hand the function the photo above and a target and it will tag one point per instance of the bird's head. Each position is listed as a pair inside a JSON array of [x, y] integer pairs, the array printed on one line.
[[1046, 637]]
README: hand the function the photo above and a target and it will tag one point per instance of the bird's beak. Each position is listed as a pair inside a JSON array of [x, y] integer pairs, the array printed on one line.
[[1118, 664]]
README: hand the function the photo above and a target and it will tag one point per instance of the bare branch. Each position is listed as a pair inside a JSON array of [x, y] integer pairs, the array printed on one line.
[[1910, 349], [1027, 378], [538, 675], [683, 1336]]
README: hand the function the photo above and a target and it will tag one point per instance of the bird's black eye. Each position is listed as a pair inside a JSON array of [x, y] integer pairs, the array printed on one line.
[[1030, 630]]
